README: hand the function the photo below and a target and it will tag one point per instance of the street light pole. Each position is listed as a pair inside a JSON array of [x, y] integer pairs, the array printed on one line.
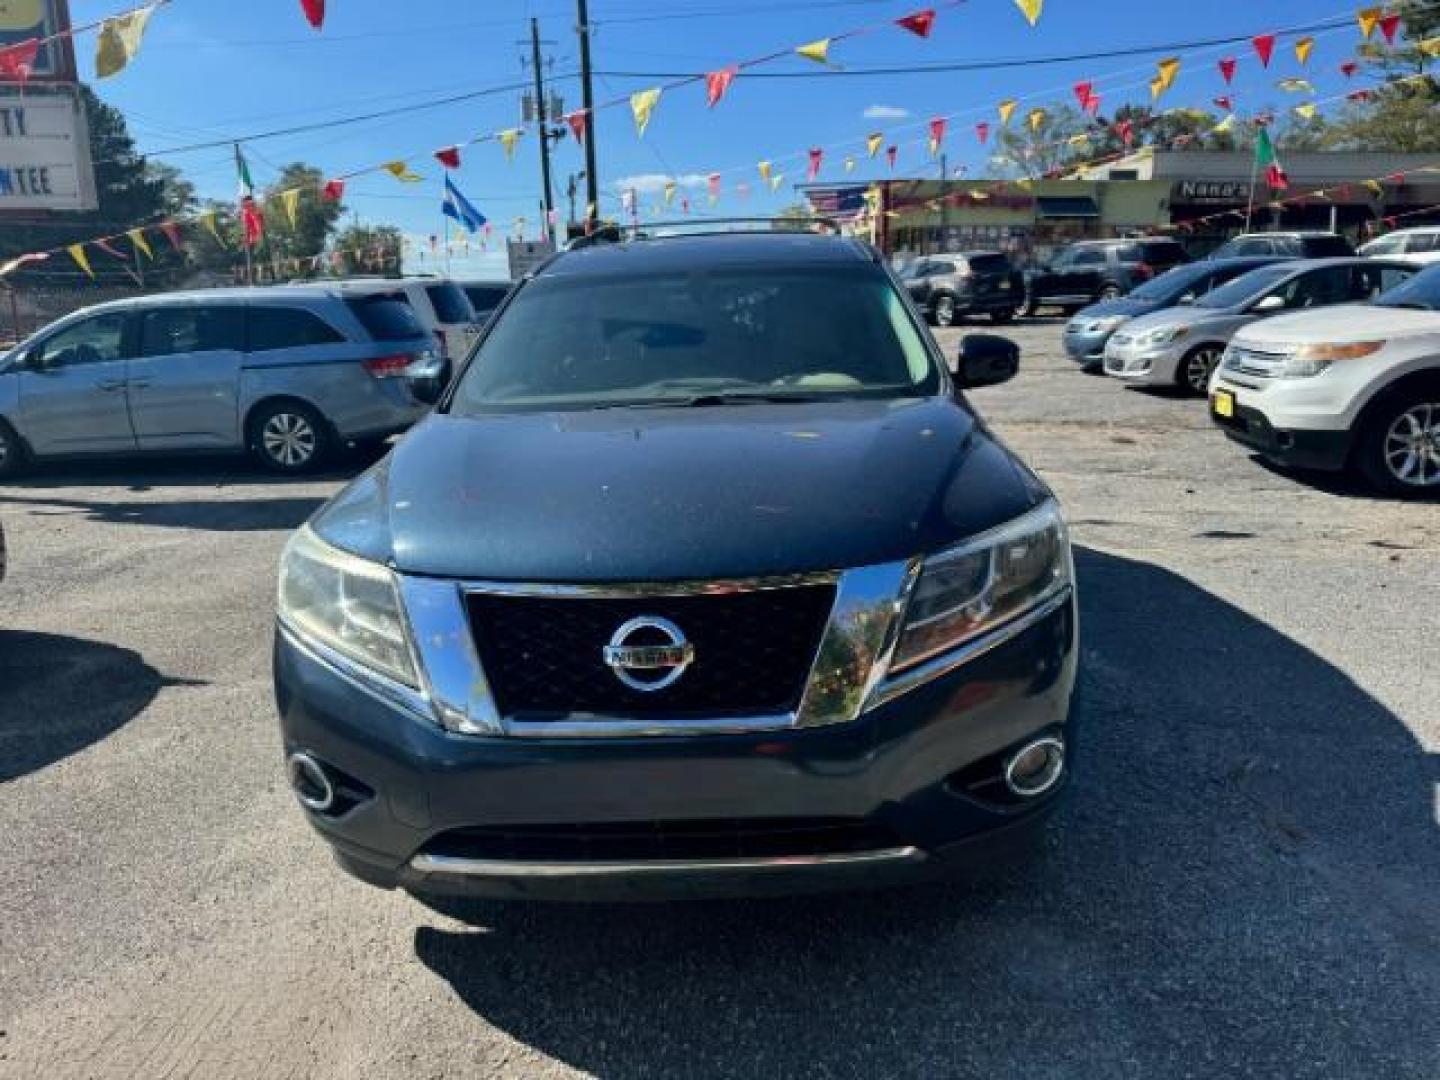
[[587, 102], [542, 124]]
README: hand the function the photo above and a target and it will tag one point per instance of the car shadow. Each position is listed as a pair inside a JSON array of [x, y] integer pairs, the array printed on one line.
[[1346, 484], [1241, 883], [60, 694], [213, 515]]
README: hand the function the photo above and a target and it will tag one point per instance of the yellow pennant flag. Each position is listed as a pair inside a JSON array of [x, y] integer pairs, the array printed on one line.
[[873, 143], [764, 168], [1430, 46], [1377, 187], [1006, 109], [137, 237], [1368, 18], [819, 51], [208, 220], [119, 40], [77, 252], [1035, 119], [291, 201], [642, 104], [1303, 48], [1031, 9], [508, 139], [1082, 139], [1307, 110], [401, 172], [669, 192], [849, 164], [1166, 70], [1228, 124], [1157, 87], [776, 180]]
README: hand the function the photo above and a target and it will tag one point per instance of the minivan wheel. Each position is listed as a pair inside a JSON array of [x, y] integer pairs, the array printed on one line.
[[1399, 450], [288, 437], [1195, 369], [12, 451], [945, 311]]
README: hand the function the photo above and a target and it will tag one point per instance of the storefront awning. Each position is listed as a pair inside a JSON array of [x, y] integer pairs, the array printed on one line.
[[1066, 206]]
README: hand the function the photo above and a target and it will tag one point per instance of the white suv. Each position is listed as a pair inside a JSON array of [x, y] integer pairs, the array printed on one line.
[[1420, 246], [1356, 385]]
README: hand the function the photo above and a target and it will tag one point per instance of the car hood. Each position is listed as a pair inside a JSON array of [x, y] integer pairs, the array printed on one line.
[[673, 494], [1180, 316], [1121, 305], [1343, 323]]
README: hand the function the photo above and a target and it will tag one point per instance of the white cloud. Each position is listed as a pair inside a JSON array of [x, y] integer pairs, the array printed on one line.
[[653, 183], [885, 112]]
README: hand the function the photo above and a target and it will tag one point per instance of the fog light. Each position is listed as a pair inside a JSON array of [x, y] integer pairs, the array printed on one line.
[[310, 783], [1036, 767]]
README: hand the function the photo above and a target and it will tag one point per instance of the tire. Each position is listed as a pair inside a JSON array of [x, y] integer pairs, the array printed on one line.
[[1398, 451], [288, 437], [944, 311], [12, 452], [1193, 373], [1110, 292], [1003, 316]]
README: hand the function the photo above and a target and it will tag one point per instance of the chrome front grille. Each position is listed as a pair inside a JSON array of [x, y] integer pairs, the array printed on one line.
[[1257, 363]]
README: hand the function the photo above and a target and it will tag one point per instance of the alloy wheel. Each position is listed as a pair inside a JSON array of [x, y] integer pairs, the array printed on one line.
[[289, 439], [944, 311], [1198, 366], [1412, 446]]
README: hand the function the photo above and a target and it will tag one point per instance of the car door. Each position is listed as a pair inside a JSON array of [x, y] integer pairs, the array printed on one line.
[[1369, 282], [72, 389], [1083, 276], [1050, 282], [1320, 287], [184, 379]]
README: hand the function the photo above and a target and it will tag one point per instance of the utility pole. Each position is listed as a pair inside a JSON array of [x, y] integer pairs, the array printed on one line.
[[944, 204], [541, 122], [587, 102]]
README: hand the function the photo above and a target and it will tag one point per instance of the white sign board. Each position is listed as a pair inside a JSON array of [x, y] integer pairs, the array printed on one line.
[[526, 255], [44, 152]]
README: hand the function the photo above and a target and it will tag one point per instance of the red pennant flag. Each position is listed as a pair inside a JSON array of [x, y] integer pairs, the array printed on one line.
[[449, 157], [314, 12], [1083, 91], [1359, 95], [1227, 69], [1092, 104], [172, 233], [937, 134], [918, 23], [104, 245], [1349, 68], [1388, 25], [713, 182], [717, 82], [1126, 130], [333, 190], [577, 123], [1264, 46], [982, 131], [890, 152], [1224, 102], [816, 156], [17, 61]]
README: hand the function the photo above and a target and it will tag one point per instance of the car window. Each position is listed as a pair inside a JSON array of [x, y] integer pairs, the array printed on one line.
[[450, 303], [487, 297], [1167, 287], [576, 343], [1419, 242], [288, 328], [1317, 288], [386, 317], [1371, 281], [1245, 287], [91, 341], [167, 331], [989, 264], [1393, 244], [1422, 290], [1322, 247], [1162, 253], [1088, 257]]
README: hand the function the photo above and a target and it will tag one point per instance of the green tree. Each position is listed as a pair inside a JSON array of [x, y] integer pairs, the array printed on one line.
[[315, 216], [368, 249]]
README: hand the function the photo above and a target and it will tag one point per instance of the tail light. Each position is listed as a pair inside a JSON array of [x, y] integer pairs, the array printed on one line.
[[388, 367]]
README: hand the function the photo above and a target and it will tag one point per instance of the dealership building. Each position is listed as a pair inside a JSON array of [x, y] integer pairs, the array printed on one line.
[[1178, 192]]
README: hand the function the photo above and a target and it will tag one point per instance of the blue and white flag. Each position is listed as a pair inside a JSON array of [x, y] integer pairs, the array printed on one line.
[[458, 207]]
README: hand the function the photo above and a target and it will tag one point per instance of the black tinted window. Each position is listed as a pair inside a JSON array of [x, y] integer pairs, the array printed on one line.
[[486, 297], [1371, 281], [170, 330], [1319, 247], [288, 328], [450, 303], [1087, 257], [1166, 253], [989, 264], [1423, 242], [387, 318]]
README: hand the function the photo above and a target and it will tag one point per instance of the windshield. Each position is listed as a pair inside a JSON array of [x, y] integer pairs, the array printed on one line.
[[1246, 286], [1420, 291], [1172, 283], [576, 343]]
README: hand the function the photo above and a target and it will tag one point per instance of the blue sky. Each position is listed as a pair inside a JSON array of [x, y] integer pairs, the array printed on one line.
[[226, 69]]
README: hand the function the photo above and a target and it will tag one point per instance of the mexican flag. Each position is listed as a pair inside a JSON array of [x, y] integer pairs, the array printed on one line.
[[1265, 158], [251, 218]]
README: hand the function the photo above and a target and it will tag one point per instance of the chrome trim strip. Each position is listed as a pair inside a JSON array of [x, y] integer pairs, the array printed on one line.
[[585, 726], [362, 678], [449, 665], [945, 663], [624, 590], [507, 868]]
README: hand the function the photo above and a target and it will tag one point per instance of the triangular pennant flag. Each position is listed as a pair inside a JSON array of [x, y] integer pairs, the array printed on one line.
[[1303, 48], [1377, 188], [937, 135], [1350, 67], [712, 184], [400, 171], [119, 40], [18, 61], [1368, 18], [1157, 87], [208, 220], [1092, 104], [891, 152], [764, 170], [670, 186], [718, 82], [642, 104], [578, 121], [1083, 90], [1388, 25], [105, 246], [919, 23], [77, 252], [314, 12], [982, 131], [776, 180], [1227, 69], [1031, 9], [873, 142], [508, 138], [138, 241], [1225, 102], [1359, 95], [1006, 109], [449, 157], [1306, 110], [849, 163], [1126, 130], [333, 191], [291, 201], [819, 51], [1264, 46], [172, 233], [1166, 70], [817, 155], [1035, 119]]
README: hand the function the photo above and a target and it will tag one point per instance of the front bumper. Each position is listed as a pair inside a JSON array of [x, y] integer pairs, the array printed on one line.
[[915, 770], [1153, 365], [1296, 448], [1086, 347]]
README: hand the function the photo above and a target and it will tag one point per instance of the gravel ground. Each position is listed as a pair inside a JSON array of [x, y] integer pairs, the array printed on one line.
[[1243, 884]]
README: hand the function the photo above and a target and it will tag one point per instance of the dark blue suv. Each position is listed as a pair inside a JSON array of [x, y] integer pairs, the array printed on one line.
[[702, 578]]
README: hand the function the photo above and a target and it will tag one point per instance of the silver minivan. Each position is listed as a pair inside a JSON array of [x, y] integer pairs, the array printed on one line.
[[288, 374]]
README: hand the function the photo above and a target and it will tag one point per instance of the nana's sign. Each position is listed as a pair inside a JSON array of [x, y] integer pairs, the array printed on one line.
[[1210, 191]]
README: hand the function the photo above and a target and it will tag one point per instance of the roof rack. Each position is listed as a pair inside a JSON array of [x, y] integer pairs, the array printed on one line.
[[612, 232]]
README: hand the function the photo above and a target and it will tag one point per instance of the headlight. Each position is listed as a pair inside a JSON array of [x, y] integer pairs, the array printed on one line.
[[346, 603], [1164, 335], [983, 582]]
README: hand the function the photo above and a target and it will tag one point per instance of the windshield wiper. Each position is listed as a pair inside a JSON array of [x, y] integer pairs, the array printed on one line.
[[706, 401]]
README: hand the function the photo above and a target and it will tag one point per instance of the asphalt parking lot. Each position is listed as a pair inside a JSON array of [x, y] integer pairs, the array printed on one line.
[[1244, 881]]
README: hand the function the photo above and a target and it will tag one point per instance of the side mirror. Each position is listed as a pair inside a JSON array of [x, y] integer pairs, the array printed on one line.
[[1269, 303], [986, 360]]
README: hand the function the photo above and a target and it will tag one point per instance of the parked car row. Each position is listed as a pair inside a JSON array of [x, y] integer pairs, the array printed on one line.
[[286, 373]]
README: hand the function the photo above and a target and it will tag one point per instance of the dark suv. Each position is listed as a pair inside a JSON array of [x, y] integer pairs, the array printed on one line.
[[703, 577], [1292, 245], [1099, 270], [950, 287]]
